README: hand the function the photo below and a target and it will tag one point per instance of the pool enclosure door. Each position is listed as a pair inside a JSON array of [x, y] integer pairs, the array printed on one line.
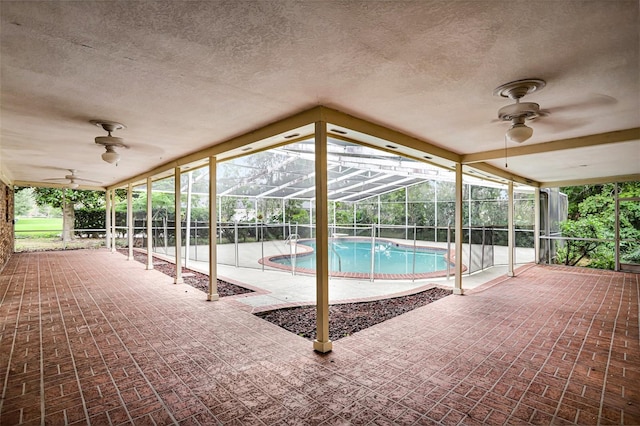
[[626, 247]]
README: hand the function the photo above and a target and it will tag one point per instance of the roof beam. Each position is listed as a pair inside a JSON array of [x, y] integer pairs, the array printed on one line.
[[285, 185], [359, 184], [262, 172], [559, 145], [592, 181], [377, 189], [504, 174], [359, 125], [270, 130]]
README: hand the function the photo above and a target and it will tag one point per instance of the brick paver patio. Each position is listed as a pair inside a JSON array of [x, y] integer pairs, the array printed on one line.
[[88, 337]]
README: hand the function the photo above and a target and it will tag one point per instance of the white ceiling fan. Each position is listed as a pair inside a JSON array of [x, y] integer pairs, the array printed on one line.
[[110, 142], [518, 112], [72, 179]]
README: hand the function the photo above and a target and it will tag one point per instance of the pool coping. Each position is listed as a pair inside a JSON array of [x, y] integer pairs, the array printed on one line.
[[306, 251]]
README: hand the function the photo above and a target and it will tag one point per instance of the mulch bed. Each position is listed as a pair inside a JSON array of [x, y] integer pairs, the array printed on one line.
[[348, 318], [193, 278], [344, 319]]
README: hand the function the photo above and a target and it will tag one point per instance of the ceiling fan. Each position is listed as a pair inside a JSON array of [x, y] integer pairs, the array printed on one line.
[[518, 112], [73, 180], [110, 142]]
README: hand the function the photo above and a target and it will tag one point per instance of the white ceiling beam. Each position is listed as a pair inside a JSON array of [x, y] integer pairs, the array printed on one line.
[[591, 181], [558, 145]]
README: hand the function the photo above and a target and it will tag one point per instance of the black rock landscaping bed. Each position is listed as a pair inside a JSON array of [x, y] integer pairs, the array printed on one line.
[[348, 318], [193, 278]]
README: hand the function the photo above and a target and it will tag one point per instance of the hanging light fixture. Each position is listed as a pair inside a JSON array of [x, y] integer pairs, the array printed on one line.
[[110, 155], [519, 132], [109, 142]]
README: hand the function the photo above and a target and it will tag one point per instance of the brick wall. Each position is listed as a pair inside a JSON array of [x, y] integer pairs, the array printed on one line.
[[6, 223]]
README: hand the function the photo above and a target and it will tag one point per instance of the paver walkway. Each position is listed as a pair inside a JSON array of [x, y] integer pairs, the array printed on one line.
[[87, 337]]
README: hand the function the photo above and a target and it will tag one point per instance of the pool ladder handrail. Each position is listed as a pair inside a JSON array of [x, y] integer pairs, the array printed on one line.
[[333, 249], [292, 237]]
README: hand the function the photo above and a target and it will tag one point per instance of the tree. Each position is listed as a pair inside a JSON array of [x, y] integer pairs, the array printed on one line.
[[592, 215], [23, 201], [68, 200]]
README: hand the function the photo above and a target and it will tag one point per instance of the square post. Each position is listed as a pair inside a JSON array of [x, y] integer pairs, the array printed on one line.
[[187, 240], [149, 224], [322, 342], [178, 226], [458, 232], [213, 226], [130, 227], [536, 226], [107, 209], [510, 232], [113, 220]]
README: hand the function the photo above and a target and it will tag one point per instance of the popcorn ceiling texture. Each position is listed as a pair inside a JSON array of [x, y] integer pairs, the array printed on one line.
[[183, 76]]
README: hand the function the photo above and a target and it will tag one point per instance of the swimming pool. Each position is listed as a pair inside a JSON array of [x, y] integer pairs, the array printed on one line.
[[352, 258]]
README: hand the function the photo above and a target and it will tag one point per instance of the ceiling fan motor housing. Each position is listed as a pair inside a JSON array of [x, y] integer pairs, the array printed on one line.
[[526, 110], [110, 141]]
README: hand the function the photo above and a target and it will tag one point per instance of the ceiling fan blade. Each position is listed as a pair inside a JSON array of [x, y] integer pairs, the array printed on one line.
[[558, 125], [592, 101]]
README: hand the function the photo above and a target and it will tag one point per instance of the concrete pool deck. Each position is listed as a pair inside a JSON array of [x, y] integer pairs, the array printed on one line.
[[278, 289]]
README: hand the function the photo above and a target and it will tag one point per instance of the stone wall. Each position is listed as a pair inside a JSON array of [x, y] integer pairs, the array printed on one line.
[[6, 223]]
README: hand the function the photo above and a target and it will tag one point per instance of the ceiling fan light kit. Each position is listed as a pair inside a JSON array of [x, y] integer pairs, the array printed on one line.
[[518, 112], [110, 155], [519, 132], [109, 142]]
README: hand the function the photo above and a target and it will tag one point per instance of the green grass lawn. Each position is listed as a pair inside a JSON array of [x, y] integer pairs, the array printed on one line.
[[41, 227], [36, 234]]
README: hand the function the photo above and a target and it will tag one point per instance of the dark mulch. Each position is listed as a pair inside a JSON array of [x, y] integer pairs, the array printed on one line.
[[348, 318], [193, 278]]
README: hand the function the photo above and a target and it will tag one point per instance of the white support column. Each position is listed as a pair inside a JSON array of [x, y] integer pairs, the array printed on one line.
[[435, 211], [219, 208], [113, 221], [284, 220], [130, 225], [354, 219], [149, 223], [255, 219], [536, 226], [406, 213], [457, 289], [511, 233], [178, 227], [213, 226], [187, 245], [107, 209], [322, 342]]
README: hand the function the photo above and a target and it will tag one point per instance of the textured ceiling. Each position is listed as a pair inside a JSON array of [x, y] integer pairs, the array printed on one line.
[[183, 76]]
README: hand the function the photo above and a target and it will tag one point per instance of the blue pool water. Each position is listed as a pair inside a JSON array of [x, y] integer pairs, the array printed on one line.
[[355, 256]]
